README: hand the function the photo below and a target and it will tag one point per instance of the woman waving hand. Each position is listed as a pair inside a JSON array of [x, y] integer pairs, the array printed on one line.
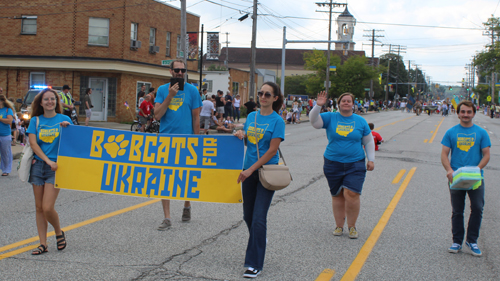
[[344, 158]]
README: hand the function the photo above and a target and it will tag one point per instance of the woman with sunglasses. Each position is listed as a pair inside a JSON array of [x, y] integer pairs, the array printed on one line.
[[44, 133], [6, 116], [269, 131], [344, 158]]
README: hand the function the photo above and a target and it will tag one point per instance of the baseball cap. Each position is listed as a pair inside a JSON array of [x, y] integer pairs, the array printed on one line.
[[66, 87]]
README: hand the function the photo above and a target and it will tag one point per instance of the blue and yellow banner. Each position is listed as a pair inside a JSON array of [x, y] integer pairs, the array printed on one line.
[[176, 167]]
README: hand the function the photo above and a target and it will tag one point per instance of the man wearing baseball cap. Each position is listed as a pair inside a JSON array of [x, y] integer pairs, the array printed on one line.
[[66, 101]]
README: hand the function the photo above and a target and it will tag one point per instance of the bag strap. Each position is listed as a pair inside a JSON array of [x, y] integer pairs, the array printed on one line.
[[257, 142]]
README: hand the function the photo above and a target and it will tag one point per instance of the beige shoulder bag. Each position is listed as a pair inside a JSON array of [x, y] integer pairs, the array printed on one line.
[[273, 177]]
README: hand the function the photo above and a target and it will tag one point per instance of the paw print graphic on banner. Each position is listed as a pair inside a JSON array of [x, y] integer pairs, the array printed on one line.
[[117, 146]]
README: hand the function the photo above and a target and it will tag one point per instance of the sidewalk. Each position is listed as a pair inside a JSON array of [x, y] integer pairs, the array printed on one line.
[[18, 149]]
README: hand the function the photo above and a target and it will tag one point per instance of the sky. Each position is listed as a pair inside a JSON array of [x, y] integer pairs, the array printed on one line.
[[441, 36]]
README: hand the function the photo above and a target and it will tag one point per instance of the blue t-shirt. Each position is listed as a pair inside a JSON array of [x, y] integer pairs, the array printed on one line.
[[345, 137], [466, 145], [269, 127], [48, 133], [5, 128], [178, 118]]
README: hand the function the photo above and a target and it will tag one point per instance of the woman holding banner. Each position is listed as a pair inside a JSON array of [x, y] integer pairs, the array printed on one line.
[[44, 133], [268, 128], [344, 158]]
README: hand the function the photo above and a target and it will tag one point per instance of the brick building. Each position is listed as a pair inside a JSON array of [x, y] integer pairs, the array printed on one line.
[[112, 46]]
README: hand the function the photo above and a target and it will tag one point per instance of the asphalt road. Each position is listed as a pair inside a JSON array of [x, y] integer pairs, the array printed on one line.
[[409, 243]]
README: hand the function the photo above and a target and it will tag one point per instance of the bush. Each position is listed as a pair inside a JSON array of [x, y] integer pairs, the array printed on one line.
[[243, 112]]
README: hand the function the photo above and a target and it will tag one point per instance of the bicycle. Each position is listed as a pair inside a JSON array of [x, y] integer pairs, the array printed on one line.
[[153, 127]]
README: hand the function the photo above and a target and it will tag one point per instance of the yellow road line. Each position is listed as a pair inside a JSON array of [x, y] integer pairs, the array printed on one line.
[[378, 128], [326, 275], [365, 251], [68, 228], [425, 141], [435, 131], [399, 176], [432, 132]]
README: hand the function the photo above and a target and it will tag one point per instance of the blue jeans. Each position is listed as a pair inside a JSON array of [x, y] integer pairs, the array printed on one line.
[[256, 203], [236, 113], [6, 154], [476, 214]]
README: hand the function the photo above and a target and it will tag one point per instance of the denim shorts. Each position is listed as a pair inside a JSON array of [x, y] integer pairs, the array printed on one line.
[[41, 173], [345, 175]]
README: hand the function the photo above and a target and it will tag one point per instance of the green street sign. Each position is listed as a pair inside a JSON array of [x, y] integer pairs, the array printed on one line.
[[166, 62], [367, 89]]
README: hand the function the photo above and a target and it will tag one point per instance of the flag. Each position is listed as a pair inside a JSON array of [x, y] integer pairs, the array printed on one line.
[[380, 79], [192, 38], [126, 104], [333, 68], [213, 45]]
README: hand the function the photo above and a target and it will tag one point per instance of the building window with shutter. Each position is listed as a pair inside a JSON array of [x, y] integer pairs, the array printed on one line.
[[37, 78], [98, 32], [152, 36], [133, 31], [169, 34], [28, 26]]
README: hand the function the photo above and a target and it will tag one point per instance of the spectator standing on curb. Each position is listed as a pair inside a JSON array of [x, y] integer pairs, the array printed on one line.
[[87, 101], [251, 106], [6, 118], [179, 112], [344, 159], [207, 111], [228, 106], [469, 145], [219, 105], [236, 106]]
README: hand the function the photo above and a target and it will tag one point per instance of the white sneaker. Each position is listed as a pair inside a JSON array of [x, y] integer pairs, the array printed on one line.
[[251, 272]]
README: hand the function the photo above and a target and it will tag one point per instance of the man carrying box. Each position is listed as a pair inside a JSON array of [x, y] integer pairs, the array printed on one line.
[[470, 146]]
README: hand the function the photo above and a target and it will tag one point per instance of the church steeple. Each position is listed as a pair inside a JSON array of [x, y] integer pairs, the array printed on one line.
[[345, 30]]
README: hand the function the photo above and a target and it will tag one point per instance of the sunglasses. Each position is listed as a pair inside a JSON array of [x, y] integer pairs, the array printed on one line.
[[183, 70], [266, 94]]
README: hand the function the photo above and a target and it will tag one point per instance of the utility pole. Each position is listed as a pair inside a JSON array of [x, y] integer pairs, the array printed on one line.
[[401, 49], [183, 32], [388, 74], [331, 5], [251, 92], [373, 36], [201, 60], [416, 78], [226, 61], [409, 68], [491, 32]]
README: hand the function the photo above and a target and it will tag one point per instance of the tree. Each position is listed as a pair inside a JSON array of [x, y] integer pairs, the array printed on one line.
[[214, 67], [352, 76], [296, 85], [488, 61]]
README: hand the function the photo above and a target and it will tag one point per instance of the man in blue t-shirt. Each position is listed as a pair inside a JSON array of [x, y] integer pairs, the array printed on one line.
[[470, 146], [179, 112]]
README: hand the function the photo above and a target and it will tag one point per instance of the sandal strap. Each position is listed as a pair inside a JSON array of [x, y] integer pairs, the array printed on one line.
[[60, 236], [40, 249]]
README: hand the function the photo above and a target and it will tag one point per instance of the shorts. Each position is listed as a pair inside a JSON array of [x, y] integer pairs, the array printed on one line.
[[88, 113], [344, 175], [205, 122], [143, 120], [220, 109], [41, 173]]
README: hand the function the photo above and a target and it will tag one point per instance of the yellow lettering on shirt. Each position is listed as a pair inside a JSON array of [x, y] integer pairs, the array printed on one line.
[[465, 142], [345, 129], [176, 102], [48, 134], [256, 133]]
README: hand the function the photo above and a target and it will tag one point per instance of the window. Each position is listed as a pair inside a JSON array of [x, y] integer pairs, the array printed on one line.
[[28, 25], [37, 78], [168, 44], [152, 36], [236, 88], [179, 46], [133, 31], [99, 31], [209, 85]]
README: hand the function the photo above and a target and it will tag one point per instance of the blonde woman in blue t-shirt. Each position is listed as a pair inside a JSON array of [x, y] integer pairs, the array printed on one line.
[[44, 134], [344, 165]]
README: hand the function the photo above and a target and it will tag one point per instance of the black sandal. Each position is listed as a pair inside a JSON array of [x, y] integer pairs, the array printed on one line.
[[42, 249], [61, 242]]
